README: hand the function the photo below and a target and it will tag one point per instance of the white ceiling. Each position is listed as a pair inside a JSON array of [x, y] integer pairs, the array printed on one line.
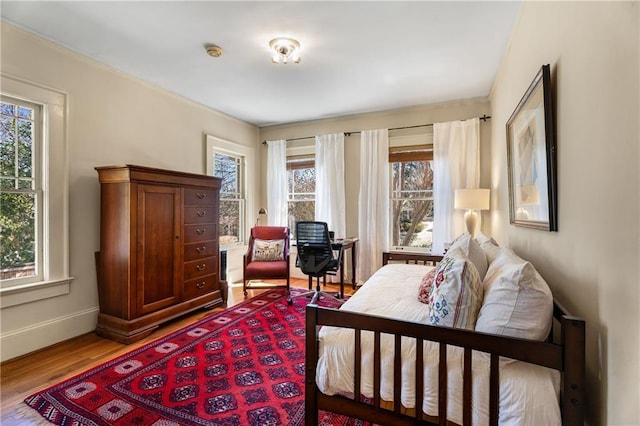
[[356, 56]]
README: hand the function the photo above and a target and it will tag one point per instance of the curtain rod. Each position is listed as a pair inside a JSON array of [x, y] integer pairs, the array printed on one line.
[[484, 117]]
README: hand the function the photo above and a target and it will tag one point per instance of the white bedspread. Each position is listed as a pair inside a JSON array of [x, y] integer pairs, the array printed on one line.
[[529, 394]]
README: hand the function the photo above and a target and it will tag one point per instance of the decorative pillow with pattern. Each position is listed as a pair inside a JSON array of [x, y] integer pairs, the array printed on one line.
[[456, 294], [472, 250], [425, 286], [268, 250]]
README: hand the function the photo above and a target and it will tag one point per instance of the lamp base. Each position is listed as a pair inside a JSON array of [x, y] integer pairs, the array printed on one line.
[[470, 221]]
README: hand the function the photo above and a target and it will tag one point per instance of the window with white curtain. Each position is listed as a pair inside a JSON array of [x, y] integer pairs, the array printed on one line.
[[411, 181], [301, 192]]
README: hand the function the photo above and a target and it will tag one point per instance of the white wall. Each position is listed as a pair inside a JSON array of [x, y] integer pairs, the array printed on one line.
[[112, 119], [591, 263]]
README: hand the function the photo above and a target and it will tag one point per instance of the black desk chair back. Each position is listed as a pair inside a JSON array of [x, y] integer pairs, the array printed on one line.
[[316, 256]]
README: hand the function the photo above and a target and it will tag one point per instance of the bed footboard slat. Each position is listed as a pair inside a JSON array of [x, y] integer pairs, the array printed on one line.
[[397, 373], [467, 388], [376, 369], [419, 377], [494, 389], [442, 385], [357, 364]]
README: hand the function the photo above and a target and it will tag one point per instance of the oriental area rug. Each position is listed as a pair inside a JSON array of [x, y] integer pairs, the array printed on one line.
[[240, 366]]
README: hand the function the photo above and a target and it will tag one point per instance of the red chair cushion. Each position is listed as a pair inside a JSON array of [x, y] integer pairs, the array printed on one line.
[[275, 269]]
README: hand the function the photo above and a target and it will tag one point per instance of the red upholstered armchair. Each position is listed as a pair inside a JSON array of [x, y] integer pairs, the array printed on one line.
[[267, 257]]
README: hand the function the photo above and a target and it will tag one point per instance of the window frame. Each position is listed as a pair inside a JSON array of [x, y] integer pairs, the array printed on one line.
[[308, 161], [35, 189], [215, 145], [54, 180], [417, 147], [304, 149]]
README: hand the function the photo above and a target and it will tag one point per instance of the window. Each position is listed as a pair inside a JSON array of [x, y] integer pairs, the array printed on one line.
[[301, 193], [232, 202], [235, 165], [20, 190], [411, 197], [34, 210]]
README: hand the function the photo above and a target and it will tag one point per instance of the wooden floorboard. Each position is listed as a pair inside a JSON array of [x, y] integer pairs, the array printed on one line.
[[22, 376]]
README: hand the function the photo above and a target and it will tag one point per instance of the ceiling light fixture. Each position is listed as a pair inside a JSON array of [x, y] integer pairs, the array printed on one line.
[[285, 50]]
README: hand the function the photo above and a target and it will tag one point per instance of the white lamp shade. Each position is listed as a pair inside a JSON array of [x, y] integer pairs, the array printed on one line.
[[472, 199]]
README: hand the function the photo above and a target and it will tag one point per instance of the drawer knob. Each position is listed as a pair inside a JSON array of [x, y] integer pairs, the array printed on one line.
[[200, 285], [201, 267], [201, 213], [201, 195], [201, 249], [201, 231]]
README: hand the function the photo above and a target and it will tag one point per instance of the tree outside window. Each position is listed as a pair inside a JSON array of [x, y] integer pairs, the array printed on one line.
[[301, 194], [412, 198], [19, 189], [229, 169]]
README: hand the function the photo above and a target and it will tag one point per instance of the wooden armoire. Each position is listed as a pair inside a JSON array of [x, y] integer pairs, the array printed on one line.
[[159, 254]]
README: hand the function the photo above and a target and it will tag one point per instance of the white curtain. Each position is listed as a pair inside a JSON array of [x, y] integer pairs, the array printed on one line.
[[277, 183], [330, 204], [456, 165], [373, 201]]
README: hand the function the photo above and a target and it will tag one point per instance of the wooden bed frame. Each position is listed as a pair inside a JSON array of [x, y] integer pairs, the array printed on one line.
[[564, 351]]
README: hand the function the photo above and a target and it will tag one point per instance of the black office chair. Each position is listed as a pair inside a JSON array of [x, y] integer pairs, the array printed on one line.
[[316, 257]]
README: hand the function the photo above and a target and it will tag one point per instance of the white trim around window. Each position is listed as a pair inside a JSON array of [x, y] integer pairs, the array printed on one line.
[[216, 144], [55, 185]]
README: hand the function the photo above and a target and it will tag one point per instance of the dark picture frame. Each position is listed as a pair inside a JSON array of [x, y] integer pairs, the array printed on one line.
[[531, 157]]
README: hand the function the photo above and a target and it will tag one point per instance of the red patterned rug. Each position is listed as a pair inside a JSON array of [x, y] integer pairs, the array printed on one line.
[[241, 366]]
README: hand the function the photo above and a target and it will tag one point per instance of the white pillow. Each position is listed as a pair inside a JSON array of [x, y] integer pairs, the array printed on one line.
[[472, 250], [489, 246], [517, 300], [456, 293], [268, 250], [482, 238]]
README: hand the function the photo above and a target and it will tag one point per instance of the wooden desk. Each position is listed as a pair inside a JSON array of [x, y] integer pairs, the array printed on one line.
[[346, 244], [425, 258]]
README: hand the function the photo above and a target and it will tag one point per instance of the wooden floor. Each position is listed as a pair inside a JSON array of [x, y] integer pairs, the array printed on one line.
[[22, 376]]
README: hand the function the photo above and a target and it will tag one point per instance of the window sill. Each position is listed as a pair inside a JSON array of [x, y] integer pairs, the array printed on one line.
[[32, 292]]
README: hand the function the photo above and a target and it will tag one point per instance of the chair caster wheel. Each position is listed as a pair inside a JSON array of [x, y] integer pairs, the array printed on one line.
[[289, 301]]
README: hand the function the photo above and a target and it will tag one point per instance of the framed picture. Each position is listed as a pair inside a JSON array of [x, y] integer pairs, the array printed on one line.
[[531, 157]]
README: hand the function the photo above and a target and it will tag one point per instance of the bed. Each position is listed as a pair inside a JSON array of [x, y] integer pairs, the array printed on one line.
[[473, 376]]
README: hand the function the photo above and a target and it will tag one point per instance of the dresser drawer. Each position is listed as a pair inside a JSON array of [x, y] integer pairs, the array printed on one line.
[[200, 197], [199, 214], [196, 233], [200, 268], [199, 286], [200, 250]]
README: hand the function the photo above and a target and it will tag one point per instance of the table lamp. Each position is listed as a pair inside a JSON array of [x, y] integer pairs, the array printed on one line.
[[471, 200], [261, 211]]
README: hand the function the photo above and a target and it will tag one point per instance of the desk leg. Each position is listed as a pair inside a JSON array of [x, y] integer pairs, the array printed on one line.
[[353, 266], [342, 279]]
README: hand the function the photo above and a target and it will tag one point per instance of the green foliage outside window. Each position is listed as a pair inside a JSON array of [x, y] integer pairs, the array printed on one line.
[[18, 195]]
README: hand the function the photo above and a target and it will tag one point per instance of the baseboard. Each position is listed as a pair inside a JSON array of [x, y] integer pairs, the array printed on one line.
[[37, 336]]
